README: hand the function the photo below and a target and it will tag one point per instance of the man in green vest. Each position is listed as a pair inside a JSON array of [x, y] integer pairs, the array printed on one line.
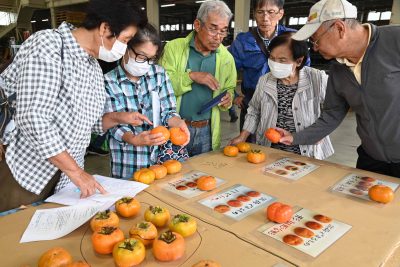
[[201, 68]]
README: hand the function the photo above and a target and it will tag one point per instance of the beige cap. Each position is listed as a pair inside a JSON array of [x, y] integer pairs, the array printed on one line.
[[322, 11]]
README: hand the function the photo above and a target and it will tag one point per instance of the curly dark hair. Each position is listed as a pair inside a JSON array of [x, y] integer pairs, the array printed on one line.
[[118, 14]]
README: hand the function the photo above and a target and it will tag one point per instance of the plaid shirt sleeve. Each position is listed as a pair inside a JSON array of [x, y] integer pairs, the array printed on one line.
[[114, 105], [37, 93], [167, 97]]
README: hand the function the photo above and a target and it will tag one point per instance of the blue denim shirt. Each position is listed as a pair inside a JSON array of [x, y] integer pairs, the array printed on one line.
[[251, 60]]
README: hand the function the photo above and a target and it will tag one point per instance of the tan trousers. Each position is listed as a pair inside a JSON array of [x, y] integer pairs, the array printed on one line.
[[12, 195]]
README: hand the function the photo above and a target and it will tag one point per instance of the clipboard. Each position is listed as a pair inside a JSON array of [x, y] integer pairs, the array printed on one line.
[[212, 103]]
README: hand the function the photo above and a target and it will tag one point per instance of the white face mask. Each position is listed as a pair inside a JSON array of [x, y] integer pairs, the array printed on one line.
[[136, 69], [117, 51], [280, 70]]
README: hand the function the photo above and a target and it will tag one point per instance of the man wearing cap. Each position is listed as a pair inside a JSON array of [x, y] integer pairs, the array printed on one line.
[[365, 76]]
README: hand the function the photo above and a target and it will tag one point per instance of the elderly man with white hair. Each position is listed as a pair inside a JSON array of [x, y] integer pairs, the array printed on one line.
[[365, 76], [200, 69]]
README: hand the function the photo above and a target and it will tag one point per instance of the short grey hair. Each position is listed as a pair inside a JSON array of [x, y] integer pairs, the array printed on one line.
[[213, 6], [351, 23]]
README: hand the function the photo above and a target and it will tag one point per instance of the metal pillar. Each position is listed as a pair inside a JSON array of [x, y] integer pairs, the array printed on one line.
[[153, 13], [242, 16], [395, 19]]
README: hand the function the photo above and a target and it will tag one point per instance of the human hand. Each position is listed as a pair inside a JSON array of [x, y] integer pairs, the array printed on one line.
[[236, 140], [86, 183], [179, 123], [286, 137], [226, 100], [239, 101], [133, 118], [147, 139], [204, 78]]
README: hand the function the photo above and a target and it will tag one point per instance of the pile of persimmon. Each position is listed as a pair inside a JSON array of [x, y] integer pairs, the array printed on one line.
[[255, 156], [206, 183], [381, 193], [160, 171], [231, 151], [155, 172], [144, 175], [58, 256], [173, 166], [272, 135], [279, 212]]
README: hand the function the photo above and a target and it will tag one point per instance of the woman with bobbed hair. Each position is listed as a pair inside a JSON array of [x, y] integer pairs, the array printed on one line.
[[289, 97], [60, 99], [135, 85]]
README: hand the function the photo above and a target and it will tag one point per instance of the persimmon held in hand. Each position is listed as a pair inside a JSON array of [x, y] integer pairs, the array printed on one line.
[[231, 151], [206, 183], [381, 193], [144, 175], [159, 170], [173, 166], [279, 212], [243, 147], [272, 135], [163, 130], [178, 136], [255, 156], [55, 257], [127, 207], [104, 240], [169, 246], [103, 219]]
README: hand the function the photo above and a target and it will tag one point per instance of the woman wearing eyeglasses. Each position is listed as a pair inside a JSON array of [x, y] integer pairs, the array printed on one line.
[[289, 97], [249, 50], [139, 84]]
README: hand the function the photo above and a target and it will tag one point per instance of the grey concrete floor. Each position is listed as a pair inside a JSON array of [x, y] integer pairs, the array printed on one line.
[[344, 139]]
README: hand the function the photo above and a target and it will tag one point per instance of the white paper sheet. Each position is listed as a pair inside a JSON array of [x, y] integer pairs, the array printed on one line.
[[50, 224], [155, 102], [116, 188]]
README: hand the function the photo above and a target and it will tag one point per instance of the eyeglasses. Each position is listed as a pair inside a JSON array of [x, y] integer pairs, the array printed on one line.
[[215, 32], [270, 13], [315, 43], [139, 58]]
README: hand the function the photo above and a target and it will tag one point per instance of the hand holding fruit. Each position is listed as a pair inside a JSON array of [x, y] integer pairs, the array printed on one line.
[[176, 122], [286, 137], [146, 138]]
